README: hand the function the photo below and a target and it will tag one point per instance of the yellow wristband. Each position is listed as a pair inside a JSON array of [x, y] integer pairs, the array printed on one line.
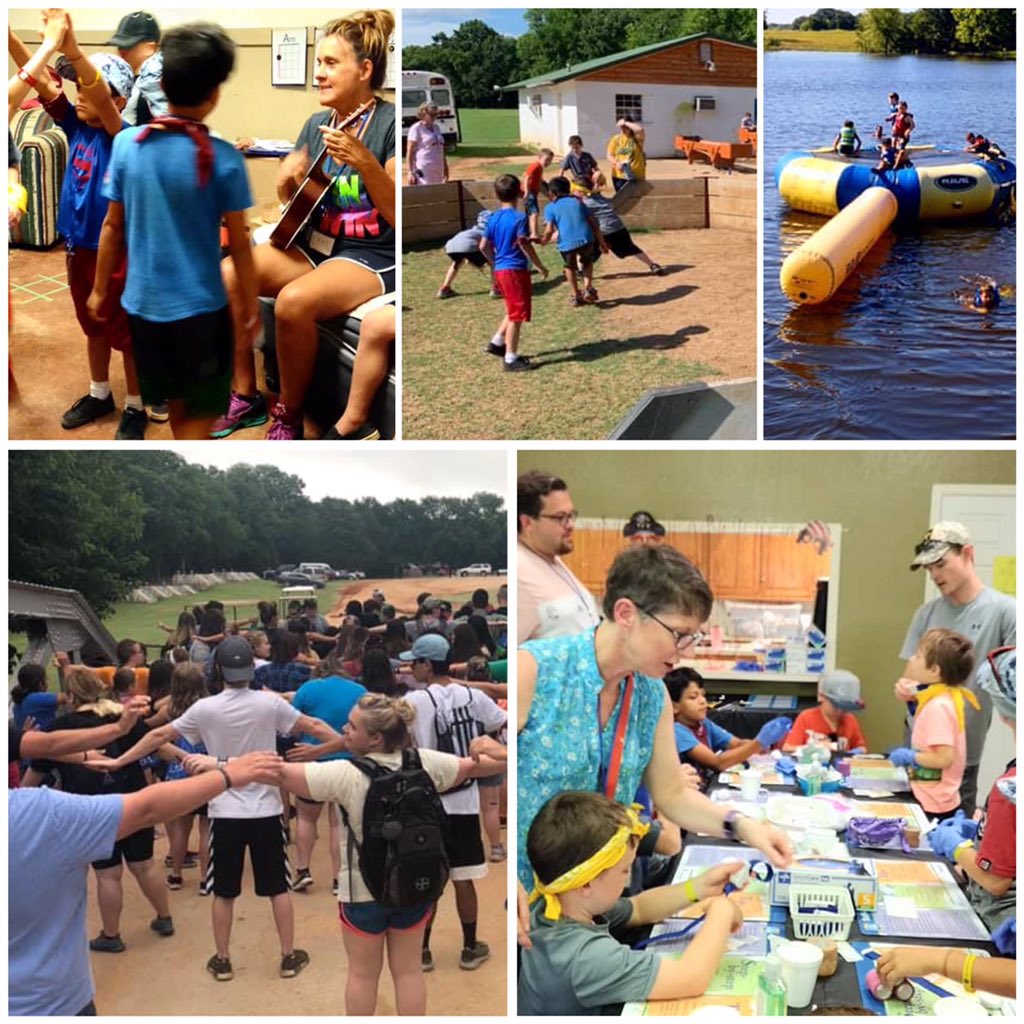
[[690, 891], [17, 197], [967, 978], [92, 85]]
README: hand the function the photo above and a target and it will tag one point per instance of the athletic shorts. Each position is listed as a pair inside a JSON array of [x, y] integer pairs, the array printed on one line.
[[621, 244], [187, 360], [373, 919], [476, 258], [466, 852], [376, 261], [517, 292], [134, 849], [267, 842], [81, 266], [847, 151], [530, 204], [581, 254]]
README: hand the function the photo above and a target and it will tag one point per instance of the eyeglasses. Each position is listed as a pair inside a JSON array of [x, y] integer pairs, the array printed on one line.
[[562, 518], [683, 640]]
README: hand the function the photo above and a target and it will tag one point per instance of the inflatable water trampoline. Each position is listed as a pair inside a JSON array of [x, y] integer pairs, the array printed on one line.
[[863, 204]]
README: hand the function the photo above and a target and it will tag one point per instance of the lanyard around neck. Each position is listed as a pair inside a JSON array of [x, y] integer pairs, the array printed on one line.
[[611, 779]]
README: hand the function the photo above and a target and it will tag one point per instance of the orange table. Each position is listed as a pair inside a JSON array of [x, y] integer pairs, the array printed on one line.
[[718, 154]]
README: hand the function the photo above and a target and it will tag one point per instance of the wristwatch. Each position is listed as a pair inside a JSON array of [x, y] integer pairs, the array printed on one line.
[[222, 762], [730, 824]]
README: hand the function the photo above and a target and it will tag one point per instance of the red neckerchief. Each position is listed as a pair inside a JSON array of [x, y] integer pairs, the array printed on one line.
[[198, 132]]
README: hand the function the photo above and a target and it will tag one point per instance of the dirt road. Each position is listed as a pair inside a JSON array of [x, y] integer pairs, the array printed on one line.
[[403, 593]]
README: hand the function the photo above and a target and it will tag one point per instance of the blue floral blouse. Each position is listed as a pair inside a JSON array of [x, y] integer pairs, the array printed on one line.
[[562, 746]]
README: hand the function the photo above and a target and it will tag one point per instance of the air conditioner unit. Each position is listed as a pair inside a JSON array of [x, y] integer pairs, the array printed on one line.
[[704, 103]]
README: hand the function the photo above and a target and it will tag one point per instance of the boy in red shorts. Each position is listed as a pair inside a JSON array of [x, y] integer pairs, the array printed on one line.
[[506, 245], [104, 83]]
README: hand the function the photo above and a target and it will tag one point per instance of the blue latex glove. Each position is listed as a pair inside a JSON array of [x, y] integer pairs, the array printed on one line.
[[967, 827], [786, 766], [944, 841], [1005, 937], [903, 757], [774, 732]]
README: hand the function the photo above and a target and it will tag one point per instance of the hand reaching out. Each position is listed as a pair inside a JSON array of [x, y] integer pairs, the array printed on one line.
[[55, 26]]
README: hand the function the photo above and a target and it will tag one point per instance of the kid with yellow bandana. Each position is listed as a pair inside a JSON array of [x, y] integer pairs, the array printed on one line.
[[581, 847]]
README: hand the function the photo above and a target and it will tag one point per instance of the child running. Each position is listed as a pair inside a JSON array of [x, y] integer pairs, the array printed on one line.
[[581, 847], [944, 661], [175, 298], [615, 233], [465, 248], [534, 183], [578, 239], [104, 84], [507, 247]]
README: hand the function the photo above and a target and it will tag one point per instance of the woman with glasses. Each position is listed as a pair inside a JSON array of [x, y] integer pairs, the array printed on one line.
[[593, 710]]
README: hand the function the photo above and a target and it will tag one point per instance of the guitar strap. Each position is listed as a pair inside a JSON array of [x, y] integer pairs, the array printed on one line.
[[364, 123]]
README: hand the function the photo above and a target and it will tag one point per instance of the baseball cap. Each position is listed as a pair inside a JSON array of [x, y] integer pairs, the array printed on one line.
[[138, 27], [938, 541], [235, 658], [842, 688], [116, 70], [430, 646], [643, 522], [378, 594], [431, 604]]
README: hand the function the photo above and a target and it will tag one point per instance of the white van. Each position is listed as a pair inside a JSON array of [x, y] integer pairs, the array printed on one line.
[[423, 86], [318, 570]]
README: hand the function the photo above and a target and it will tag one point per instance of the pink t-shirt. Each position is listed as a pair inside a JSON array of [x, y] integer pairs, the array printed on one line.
[[935, 725], [429, 156], [552, 602]]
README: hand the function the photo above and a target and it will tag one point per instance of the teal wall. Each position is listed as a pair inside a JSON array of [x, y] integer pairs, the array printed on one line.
[[882, 499]]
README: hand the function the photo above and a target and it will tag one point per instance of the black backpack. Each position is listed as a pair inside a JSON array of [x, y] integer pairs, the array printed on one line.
[[403, 856], [456, 728]]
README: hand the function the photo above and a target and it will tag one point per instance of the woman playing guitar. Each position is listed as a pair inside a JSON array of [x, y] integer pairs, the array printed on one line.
[[345, 254]]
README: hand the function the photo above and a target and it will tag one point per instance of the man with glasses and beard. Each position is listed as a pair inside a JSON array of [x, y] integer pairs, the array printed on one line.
[[552, 601]]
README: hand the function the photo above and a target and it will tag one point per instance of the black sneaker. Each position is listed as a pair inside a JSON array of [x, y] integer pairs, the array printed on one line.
[[220, 967], [334, 888], [163, 926], [657, 270], [521, 363], [133, 425], [293, 963], [427, 961], [107, 944], [175, 882], [85, 410], [366, 432], [303, 879], [494, 350], [473, 956]]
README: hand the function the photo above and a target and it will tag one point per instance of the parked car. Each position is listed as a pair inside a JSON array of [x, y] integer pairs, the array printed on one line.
[[476, 569], [299, 579], [272, 574]]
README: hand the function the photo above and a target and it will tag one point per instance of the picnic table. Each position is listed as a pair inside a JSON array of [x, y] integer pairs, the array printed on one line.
[[749, 135], [721, 155]]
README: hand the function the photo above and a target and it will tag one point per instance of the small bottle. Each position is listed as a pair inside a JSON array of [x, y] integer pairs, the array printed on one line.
[[771, 990]]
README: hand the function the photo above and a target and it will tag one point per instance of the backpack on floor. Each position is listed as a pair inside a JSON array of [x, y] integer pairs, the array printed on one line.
[[403, 856], [456, 727]]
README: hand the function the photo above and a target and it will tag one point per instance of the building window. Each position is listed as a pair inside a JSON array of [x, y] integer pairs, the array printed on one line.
[[629, 106], [536, 102], [705, 52]]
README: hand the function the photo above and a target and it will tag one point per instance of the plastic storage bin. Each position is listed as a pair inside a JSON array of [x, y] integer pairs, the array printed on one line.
[[822, 912]]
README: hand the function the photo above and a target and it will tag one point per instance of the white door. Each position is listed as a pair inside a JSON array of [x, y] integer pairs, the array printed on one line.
[[989, 513]]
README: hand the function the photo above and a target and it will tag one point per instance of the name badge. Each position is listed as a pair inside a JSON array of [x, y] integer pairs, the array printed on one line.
[[321, 243]]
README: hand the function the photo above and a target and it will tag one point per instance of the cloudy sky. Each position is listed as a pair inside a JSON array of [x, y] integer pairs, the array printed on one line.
[[420, 26], [375, 473]]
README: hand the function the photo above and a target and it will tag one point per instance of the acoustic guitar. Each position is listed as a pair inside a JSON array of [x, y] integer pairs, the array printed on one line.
[[313, 188]]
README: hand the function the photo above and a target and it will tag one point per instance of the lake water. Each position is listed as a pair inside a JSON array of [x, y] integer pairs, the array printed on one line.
[[892, 355]]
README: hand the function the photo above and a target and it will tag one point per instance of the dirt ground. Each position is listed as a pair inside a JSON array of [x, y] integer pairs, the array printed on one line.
[[402, 593]]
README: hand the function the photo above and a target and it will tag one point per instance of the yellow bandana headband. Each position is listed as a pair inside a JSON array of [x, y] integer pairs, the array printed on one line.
[[576, 877], [958, 695]]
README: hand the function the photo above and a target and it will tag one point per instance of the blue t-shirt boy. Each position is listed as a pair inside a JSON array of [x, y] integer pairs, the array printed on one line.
[[569, 217], [172, 226], [330, 699], [504, 229], [41, 706], [718, 739]]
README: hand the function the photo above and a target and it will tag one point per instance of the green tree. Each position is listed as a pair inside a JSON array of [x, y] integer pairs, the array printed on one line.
[[559, 37], [985, 30], [883, 30], [933, 30]]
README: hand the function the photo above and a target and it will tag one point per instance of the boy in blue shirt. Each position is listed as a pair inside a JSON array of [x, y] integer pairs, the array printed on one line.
[[506, 246], [104, 84], [170, 184], [579, 237]]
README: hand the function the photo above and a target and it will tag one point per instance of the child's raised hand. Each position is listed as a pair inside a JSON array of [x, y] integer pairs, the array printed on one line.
[[713, 881], [55, 26]]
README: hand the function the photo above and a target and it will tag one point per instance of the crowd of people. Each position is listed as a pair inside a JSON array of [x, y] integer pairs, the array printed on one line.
[[608, 723], [228, 726], [185, 321]]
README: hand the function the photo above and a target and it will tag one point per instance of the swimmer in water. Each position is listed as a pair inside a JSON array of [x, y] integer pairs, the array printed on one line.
[[982, 295]]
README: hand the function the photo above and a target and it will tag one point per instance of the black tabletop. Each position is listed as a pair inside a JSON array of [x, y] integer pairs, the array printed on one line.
[[745, 722]]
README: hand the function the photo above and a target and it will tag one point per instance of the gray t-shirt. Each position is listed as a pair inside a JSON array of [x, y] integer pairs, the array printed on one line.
[[604, 213], [577, 968], [989, 621]]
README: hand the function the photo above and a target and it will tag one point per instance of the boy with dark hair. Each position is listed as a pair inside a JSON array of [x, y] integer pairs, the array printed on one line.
[[581, 848], [579, 238], [507, 247], [104, 84], [170, 184], [581, 165], [616, 234], [944, 660]]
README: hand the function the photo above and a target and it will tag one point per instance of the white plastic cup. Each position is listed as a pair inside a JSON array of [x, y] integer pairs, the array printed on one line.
[[800, 964], [750, 784]]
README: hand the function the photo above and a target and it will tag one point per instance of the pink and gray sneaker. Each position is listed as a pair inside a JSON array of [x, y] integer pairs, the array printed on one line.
[[243, 411], [287, 426]]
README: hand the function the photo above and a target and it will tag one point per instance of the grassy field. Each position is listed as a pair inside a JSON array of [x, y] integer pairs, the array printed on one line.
[[791, 39], [489, 133], [592, 363]]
